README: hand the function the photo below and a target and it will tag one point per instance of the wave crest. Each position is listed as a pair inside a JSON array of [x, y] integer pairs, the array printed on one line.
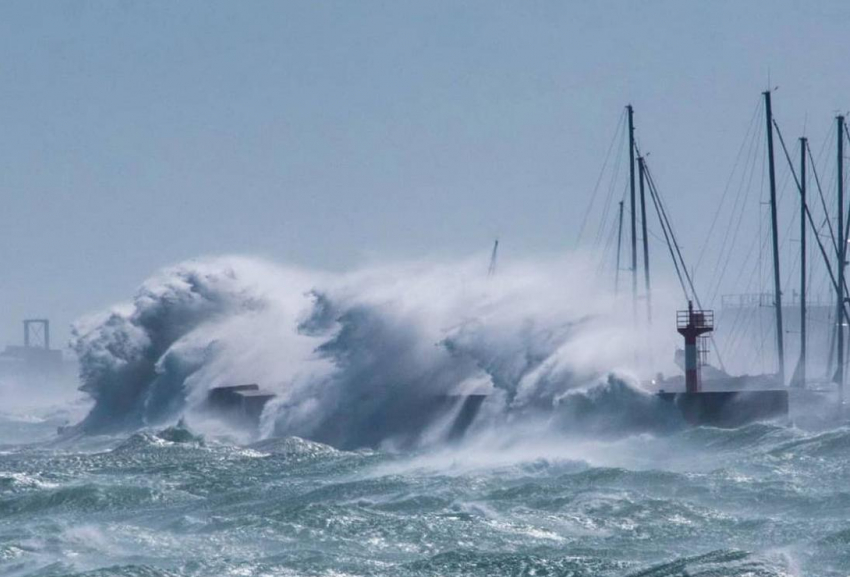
[[356, 359]]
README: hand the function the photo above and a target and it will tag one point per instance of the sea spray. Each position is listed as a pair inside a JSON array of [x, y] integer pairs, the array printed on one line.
[[350, 356]]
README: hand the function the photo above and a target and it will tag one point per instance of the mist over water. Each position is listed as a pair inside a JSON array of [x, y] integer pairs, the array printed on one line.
[[571, 467]]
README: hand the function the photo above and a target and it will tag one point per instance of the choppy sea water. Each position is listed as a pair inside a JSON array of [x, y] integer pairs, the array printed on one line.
[[760, 500]]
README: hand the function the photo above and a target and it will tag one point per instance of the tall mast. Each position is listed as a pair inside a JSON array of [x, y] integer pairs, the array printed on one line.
[[491, 270], [777, 290], [842, 252], [619, 246], [642, 172], [801, 367], [632, 203]]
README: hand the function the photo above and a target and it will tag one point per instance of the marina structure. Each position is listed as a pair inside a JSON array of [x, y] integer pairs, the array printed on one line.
[[754, 329]]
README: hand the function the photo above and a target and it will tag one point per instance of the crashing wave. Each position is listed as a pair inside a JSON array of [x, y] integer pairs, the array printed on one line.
[[293, 447], [353, 359], [613, 407], [177, 435]]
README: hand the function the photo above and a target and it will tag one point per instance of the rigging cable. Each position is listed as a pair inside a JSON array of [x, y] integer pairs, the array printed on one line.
[[822, 200], [662, 212], [612, 184], [741, 201], [599, 180], [728, 184], [811, 223], [737, 326], [667, 239]]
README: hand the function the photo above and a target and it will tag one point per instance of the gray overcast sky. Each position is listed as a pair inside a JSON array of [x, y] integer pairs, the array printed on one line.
[[329, 134]]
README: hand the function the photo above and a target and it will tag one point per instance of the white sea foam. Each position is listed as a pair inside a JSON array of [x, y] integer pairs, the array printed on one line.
[[354, 357]]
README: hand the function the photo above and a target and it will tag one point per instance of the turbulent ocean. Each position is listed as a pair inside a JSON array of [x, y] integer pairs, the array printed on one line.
[[570, 467], [757, 501]]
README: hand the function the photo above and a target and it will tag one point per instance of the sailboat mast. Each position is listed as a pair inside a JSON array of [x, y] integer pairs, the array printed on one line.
[[801, 375], [632, 203], [491, 270], [777, 291], [619, 247], [642, 172], [842, 251]]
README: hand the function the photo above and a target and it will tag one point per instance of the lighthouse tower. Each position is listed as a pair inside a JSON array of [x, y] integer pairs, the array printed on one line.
[[692, 324]]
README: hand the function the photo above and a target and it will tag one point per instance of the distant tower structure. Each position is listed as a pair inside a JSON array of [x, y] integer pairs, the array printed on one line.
[[491, 270], [35, 358], [693, 324], [37, 334]]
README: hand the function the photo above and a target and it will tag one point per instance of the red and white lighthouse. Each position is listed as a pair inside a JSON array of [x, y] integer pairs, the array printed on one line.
[[692, 324]]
